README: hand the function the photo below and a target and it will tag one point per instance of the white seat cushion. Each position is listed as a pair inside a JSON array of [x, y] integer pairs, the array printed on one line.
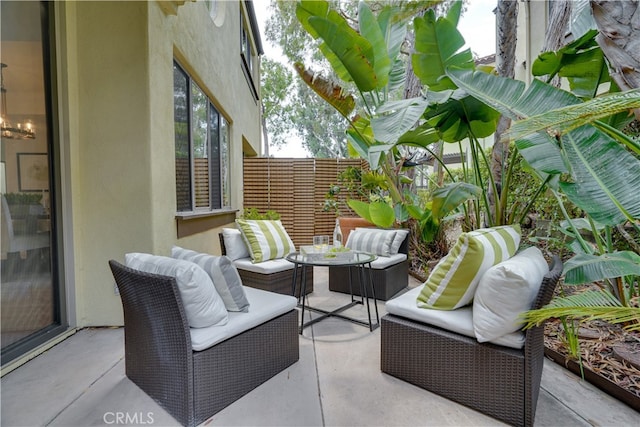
[[383, 262], [459, 321], [265, 267], [264, 306]]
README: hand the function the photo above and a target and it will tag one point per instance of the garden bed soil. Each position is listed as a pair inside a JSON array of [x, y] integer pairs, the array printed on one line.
[[608, 354]]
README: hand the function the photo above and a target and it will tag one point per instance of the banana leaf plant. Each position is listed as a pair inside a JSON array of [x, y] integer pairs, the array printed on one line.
[[368, 60], [593, 164]]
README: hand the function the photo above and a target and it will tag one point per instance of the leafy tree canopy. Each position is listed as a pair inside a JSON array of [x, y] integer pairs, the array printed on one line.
[[291, 109]]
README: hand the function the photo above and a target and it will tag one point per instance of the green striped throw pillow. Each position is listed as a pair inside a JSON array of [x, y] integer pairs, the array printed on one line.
[[372, 240], [265, 239], [453, 282]]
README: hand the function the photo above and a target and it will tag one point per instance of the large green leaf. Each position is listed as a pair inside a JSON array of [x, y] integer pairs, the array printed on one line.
[[382, 214], [378, 213], [337, 65], [308, 8], [370, 30], [394, 30], [454, 12], [511, 97], [397, 117], [422, 136], [581, 62], [542, 153], [562, 120], [587, 73], [437, 46], [550, 63], [397, 76], [458, 118], [450, 196], [360, 208], [606, 177], [354, 51], [586, 268], [360, 137]]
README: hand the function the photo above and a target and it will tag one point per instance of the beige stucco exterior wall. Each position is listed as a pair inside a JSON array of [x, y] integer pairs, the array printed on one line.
[[116, 68], [532, 23]]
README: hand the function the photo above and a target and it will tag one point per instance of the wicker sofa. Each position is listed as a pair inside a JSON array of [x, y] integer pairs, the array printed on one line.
[[499, 381], [192, 385], [273, 275], [390, 275]]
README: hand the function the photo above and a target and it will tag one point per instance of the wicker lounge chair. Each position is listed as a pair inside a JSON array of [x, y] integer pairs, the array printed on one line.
[[194, 385], [387, 281], [498, 381], [279, 282]]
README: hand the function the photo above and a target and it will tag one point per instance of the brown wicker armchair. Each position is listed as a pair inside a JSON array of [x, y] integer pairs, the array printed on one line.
[[387, 282], [498, 381], [194, 385]]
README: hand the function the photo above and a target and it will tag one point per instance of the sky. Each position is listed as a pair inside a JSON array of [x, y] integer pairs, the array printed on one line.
[[477, 26]]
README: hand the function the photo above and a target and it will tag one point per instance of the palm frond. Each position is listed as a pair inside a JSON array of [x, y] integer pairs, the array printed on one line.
[[586, 306]]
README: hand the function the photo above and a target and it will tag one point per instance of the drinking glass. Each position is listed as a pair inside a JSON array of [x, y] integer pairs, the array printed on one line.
[[320, 243]]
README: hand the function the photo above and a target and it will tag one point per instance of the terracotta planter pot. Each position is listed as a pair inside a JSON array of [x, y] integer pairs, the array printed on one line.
[[347, 224]]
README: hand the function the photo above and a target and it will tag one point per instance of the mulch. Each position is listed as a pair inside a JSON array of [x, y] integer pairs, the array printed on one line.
[[605, 349]]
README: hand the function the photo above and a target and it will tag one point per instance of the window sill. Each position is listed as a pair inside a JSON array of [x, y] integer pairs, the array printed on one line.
[[189, 223]]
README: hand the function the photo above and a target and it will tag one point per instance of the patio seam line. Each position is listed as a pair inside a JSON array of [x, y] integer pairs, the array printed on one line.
[[315, 362], [83, 392], [568, 408]]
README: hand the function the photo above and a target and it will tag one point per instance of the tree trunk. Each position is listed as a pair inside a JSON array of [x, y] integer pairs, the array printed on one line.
[[412, 87], [507, 19], [559, 17], [619, 39]]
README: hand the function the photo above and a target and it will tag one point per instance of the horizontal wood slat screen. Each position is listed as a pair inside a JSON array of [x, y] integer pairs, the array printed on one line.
[[296, 189]]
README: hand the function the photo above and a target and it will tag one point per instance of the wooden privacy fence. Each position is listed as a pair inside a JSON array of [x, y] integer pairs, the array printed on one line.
[[296, 189]]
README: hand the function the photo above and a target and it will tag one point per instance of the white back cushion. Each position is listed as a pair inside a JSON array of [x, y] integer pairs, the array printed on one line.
[[234, 244], [223, 274], [505, 291], [202, 304]]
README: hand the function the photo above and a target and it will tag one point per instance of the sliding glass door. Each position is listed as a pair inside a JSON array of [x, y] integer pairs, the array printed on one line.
[[30, 279]]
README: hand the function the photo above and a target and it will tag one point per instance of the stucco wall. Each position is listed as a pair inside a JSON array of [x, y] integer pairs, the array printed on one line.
[[121, 131], [532, 22]]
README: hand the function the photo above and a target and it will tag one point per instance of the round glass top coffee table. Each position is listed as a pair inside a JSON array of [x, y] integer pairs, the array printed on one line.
[[361, 261]]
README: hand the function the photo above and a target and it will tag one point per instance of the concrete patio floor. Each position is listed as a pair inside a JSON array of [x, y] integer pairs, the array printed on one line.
[[336, 382]]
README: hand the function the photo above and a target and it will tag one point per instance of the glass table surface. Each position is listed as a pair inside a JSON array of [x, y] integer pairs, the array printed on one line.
[[331, 259]]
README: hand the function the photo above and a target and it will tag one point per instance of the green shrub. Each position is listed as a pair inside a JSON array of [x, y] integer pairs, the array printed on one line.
[[253, 213]]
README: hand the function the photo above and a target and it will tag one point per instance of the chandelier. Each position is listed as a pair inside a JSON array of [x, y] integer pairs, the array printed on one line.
[[19, 130]]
